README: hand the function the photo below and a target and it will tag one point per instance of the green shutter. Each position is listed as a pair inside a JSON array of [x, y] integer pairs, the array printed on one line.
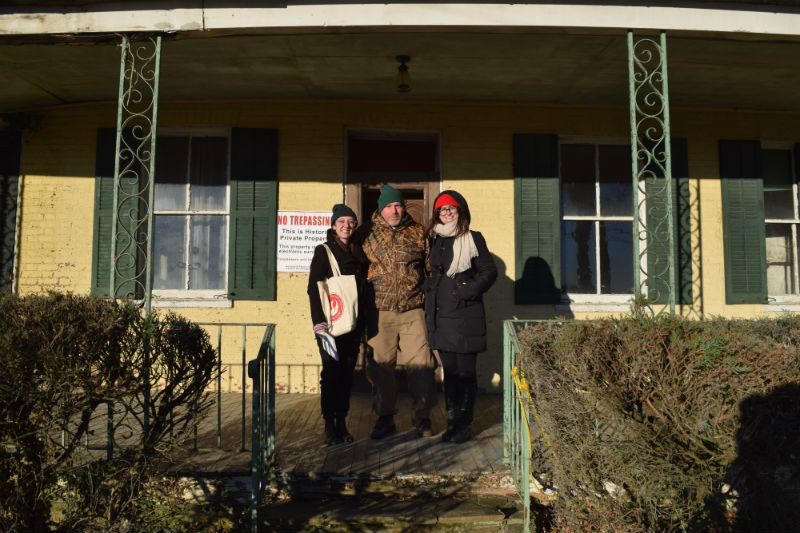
[[537, 221], [657, 256], [10, 148], [743, 221], [797, 161], [254, 188], [130, 257], [103, 211]]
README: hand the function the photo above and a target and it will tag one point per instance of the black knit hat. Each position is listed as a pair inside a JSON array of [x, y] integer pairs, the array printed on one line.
[[341, 210]]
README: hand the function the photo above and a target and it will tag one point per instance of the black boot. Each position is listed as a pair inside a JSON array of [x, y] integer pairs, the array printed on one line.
[[341, 428], [331, 435], [452, 394], [469, 389], [383, 427]]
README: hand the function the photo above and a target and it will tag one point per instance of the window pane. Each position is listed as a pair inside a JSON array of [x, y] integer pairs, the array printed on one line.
[[780, 260], [209, 173], [578, 263], [616, 186], [207, 251], [777, 168], [577, 179], [169, 243], [616, 257], [172, 165]]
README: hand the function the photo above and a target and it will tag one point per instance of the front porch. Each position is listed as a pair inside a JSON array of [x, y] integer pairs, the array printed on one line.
[[300, 449]]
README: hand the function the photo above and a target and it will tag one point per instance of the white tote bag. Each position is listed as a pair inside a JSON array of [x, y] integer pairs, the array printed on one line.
[[339, 297]]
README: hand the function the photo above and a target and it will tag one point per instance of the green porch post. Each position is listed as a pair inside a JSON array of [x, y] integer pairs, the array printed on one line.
[[134, 181], [654, 249], [134, 168]]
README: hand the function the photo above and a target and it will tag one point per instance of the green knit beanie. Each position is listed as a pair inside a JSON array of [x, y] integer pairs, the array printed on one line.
[[388, 195]]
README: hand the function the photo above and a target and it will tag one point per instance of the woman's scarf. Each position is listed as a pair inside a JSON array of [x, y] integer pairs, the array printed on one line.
[[464, 248]]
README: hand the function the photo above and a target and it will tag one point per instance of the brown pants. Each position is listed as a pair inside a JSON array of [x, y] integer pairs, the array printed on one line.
[[400, 338]]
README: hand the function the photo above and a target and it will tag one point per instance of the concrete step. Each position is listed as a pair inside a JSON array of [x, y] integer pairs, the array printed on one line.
[[316, 503]]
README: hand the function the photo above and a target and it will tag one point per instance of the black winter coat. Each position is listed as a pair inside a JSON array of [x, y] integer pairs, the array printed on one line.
[[350, 262], [454, 306]]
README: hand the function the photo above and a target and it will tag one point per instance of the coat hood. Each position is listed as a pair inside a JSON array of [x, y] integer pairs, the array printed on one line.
[[462, 202]]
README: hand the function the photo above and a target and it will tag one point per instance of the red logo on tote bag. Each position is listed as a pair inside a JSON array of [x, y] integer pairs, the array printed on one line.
[[336, 307]]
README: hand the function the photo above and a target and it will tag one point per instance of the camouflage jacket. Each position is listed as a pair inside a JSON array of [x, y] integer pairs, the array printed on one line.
[[398, 262]]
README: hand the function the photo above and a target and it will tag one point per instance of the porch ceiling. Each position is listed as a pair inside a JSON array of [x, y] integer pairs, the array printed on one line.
[[453, 66]]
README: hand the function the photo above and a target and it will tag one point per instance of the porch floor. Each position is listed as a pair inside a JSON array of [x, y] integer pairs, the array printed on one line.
[[300, 447]]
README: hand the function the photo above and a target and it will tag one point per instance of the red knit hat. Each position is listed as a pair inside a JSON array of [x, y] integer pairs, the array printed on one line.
[[444, 199]]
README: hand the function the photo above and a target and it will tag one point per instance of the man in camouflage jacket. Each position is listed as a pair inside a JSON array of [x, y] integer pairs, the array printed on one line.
[[396, 331]]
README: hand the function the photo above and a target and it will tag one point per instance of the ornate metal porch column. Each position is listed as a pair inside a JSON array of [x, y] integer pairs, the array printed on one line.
[[654, 251], [134, 169]]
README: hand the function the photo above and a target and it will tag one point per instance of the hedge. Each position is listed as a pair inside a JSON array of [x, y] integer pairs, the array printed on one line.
[[664, 424]]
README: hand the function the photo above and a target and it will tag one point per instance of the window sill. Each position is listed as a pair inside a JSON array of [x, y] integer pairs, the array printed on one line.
[[614, 304], [782, 307], [192, 302]]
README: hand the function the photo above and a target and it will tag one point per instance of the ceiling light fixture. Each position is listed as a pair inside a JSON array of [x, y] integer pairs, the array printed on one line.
[[403, 77]]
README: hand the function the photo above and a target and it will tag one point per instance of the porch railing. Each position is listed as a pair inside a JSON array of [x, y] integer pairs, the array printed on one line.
[[268, 336], [116, 426], [518, 420], [262, 371]]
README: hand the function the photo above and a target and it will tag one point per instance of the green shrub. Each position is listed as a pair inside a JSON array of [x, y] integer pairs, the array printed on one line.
[[647, 424], [65, 360]]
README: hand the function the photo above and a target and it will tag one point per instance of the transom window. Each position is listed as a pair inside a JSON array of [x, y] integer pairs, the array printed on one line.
[[190, 215], [596, 219], [781, 219]]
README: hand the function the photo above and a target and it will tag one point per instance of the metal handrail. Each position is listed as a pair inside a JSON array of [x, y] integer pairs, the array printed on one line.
[[517, 449], [262, 371], [218, 388]]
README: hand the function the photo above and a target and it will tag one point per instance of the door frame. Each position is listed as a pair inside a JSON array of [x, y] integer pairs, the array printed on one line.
[[355, 183]]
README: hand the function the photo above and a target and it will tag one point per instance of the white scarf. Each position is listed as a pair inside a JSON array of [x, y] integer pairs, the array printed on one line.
[[464, 248]]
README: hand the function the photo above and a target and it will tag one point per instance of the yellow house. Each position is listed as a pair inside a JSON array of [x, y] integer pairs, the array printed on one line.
[[271, 111]]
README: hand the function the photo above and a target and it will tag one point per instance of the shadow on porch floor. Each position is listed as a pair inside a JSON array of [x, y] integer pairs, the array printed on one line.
[[300, 448]]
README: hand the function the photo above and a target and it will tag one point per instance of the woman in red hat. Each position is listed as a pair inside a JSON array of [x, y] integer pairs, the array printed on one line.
[[462, 269]]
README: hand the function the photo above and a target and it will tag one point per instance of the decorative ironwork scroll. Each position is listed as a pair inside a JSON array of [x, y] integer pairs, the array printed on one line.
[[655, 271], [137, 113]]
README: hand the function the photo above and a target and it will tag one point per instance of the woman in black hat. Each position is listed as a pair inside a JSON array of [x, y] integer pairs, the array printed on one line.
[[337, 370], [462, 269]]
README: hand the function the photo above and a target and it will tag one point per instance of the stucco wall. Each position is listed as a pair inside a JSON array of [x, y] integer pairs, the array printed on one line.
[[58, 195]]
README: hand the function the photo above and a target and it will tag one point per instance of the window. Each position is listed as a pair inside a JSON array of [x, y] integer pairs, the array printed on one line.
[[760, 220], [781, 221], [596, 219], [214, 217], [573, 218], [190, 216]]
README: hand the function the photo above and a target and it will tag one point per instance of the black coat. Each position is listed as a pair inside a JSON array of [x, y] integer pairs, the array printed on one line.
[[454, 306], [352, 261]]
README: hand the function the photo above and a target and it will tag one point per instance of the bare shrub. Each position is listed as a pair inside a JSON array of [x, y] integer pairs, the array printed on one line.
[[65, 358], [643, 415]]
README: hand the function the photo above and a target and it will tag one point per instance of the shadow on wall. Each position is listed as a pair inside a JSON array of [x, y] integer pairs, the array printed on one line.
[[537, 282], [764, 478], [537, 285]]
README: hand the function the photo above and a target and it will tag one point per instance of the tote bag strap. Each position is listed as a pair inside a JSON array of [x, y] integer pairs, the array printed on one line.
[[332, 261]]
